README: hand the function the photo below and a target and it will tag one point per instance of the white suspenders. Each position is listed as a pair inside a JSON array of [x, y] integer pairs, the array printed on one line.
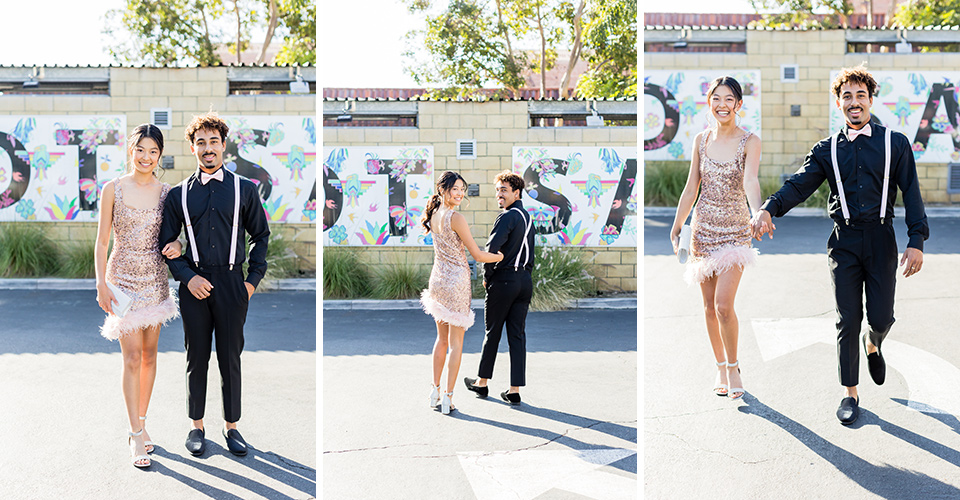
[[236, 218], [886, 176], [524, 245]]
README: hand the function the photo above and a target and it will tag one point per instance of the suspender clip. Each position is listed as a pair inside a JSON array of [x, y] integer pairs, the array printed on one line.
[[846, 221]]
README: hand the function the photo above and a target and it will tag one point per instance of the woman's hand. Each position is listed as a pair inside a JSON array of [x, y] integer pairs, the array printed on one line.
[[105, 298], [675, 239], [501, 256], [172, 250]]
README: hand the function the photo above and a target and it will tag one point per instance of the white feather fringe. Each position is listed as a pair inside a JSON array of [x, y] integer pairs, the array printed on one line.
[[440, 313], [700, 270], [115, 327]]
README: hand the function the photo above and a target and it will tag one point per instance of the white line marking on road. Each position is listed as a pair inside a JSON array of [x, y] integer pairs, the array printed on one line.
[[527, 474], [777, 337]]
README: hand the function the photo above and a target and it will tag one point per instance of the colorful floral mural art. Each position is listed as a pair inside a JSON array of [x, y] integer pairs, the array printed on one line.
[[583, 196], [53, 166], [675, 109], [922, 105], [376, 195], [279, 154]]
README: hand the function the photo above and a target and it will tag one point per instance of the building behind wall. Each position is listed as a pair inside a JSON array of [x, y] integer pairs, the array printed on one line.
[[496, 129], [32, 99]]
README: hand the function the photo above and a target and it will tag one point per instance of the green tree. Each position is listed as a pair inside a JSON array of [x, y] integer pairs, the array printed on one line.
[[299, 18], [928, 13], [802, 13], [610, 45]]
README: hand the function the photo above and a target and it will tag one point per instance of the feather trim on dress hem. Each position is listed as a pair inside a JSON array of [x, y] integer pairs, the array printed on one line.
[[115, 327], [719, 262], [440, 313]]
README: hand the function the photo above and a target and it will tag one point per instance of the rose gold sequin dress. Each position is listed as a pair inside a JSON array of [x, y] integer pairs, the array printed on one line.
[[448, 297], [721, 221], [136, 267]]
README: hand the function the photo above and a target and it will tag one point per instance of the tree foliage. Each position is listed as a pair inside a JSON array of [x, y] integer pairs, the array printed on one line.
[[173, 32], [610, 36], [928, 13], [803, 13]]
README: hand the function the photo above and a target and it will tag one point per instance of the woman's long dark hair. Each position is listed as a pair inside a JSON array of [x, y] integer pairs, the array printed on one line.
[[446, 182], [144, 130]]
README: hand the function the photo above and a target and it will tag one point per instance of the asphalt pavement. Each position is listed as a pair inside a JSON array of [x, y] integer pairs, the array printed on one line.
[[63, 425], [783, 439], [573, 437]]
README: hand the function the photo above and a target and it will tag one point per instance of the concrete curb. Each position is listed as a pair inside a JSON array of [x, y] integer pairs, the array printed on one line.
[[295, 284], [932, 212], [388, 305]]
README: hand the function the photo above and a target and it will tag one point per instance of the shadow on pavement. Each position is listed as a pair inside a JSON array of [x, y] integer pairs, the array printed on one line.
[[628, 464], [886, 481], [281, 469], [946, 453]]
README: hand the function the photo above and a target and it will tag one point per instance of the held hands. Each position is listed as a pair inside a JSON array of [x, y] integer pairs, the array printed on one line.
[[250, 289], [200, 288], [911, 261], [172, 250], [499, 256], [761, 224], [105, 298]]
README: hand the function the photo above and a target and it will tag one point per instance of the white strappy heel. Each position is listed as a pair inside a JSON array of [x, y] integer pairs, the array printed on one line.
[[445, 404], [718, 388], [137, 458], [734, 390], [147, 445], [434, 396]]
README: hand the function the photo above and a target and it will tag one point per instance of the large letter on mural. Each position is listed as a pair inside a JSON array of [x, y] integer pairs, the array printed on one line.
[[671, 114], [622, 204], [87, 142], [249, 169], [946, 92], [397, 171], [557, 217], [333, 198], [20, 175]]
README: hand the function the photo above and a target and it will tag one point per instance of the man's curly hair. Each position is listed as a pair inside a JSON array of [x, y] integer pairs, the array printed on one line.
[[511, 179], [209, 121], [858, 74]]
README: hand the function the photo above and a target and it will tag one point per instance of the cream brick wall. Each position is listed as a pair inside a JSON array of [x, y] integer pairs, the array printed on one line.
[[189, 91], [787, 139], [497, 127]]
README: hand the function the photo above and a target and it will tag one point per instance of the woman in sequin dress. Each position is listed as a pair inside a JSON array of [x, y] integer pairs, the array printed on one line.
[[448, 297], [726, 159], [131, 207]]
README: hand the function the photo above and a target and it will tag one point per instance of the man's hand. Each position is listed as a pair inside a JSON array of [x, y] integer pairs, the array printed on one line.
[[199, 287], [911, 261], [762, 224], [250, 289]]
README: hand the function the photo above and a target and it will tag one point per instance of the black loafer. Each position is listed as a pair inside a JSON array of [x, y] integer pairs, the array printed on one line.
[[849, 410], [876, 364], [235, 442], [195, 443], [481, 391], [512, 398]]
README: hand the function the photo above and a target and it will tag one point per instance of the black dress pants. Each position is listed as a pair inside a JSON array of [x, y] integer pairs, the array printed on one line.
[[863, 258], [220, 316], [507, 301]]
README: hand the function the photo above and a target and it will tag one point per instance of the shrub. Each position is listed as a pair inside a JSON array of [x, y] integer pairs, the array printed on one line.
[[400, 280], [560, 274], [77, 260], [663, 183], [344, 276], [26, 251]]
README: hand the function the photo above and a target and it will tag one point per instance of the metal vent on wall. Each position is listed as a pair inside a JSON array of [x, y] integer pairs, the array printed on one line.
[[467, 150], [789, 73], [953, 178], [161, 117]]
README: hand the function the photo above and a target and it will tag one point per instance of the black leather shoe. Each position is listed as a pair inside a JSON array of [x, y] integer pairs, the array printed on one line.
[[195, 443], [512, 398], [849, 410], [235, 442], [876, 364], [481, 391]]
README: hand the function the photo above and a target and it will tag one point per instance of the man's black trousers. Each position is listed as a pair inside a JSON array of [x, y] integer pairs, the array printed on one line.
[[863, 258], [221, 315], [507, 301]]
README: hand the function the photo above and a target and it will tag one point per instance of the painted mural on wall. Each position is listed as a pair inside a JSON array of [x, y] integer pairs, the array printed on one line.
[[279, 154], [922, 105], [583, 196], [52, 167], [376, 195], [675, 109]]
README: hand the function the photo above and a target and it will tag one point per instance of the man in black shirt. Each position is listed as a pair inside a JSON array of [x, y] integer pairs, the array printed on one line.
[[509, 288], [863, 158], [216, 207]]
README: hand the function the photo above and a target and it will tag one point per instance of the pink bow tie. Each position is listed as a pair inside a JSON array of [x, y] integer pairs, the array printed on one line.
[[853, 133], [205, 177]]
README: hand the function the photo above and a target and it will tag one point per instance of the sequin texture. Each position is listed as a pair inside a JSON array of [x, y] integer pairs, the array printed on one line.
[[448, 297], [137, 268], [721, 221]]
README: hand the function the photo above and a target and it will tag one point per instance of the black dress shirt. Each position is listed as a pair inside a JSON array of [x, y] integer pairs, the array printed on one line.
[[861, 169], [211, 213], [507, 237]]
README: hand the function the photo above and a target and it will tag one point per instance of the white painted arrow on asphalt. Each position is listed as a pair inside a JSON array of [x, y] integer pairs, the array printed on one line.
[[932, 381], [527, 474]]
